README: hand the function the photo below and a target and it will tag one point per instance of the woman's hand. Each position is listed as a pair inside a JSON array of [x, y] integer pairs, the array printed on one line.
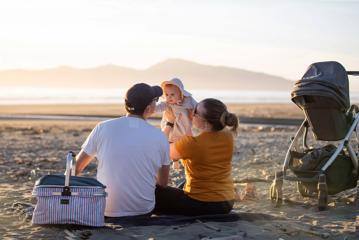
[[169, 116]]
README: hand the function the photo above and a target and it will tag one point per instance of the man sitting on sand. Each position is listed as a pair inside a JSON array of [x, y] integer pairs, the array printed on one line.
[[133, 156]]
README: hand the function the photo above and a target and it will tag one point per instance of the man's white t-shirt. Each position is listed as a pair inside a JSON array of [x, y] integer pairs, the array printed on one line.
[[130, 153]]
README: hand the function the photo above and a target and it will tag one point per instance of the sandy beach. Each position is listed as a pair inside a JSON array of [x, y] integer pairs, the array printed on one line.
[[30, 149]]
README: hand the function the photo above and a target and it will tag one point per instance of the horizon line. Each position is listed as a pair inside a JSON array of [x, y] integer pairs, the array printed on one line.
[[136, 69]]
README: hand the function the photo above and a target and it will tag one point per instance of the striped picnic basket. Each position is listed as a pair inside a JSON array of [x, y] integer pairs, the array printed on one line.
[[66, 199]]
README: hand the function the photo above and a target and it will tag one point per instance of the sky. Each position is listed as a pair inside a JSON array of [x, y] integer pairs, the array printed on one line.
[[275, 37]]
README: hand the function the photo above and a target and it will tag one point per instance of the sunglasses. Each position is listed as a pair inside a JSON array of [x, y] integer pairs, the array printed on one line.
[[195, 112], [155, 99]]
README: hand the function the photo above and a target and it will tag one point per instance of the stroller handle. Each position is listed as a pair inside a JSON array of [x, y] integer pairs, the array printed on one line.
[[354, 73]]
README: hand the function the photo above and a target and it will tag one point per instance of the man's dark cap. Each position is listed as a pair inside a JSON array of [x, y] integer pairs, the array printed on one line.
[[140, 95]]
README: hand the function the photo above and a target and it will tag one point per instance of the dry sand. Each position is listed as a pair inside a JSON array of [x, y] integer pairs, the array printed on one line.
[[30, 149]]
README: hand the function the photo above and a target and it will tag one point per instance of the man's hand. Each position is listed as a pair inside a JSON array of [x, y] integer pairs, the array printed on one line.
[[163, 173]]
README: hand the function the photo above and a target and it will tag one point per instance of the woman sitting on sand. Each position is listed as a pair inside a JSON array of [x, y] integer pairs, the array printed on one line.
[[207, 160]]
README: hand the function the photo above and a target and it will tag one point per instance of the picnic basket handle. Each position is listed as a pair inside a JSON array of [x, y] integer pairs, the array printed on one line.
[[69, 162], [354, 73]]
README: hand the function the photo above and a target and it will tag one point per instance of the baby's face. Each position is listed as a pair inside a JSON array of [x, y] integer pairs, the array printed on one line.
[[172, 94]]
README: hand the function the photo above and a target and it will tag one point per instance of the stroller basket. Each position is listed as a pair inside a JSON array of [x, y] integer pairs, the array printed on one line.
[[307, 167]]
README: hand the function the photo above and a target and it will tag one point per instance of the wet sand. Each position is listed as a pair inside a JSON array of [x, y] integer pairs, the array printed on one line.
[[30, 149], [114, 110]]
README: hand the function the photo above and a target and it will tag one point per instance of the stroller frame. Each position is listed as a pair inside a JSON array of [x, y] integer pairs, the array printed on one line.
[[276, 192]]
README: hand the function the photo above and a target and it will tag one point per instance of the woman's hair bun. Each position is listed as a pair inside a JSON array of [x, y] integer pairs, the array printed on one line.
[[230, 119]]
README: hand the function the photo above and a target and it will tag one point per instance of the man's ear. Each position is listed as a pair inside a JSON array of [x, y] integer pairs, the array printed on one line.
[[147, 110]]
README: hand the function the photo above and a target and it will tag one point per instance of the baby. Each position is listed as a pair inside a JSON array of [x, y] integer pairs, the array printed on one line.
[[182, 105]]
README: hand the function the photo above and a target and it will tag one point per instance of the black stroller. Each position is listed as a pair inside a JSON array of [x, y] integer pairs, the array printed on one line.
[[323, 95]]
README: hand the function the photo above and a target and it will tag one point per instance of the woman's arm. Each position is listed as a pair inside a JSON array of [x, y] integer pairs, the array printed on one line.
[[170, 118], [174, 154]]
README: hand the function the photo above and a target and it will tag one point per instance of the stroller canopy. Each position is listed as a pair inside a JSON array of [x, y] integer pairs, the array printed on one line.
[[327, 79]]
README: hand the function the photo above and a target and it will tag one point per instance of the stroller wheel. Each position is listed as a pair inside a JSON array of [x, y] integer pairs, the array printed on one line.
[[322, 193], [276, 195], [301, 189], [275, 191], [271, 192], [322, 201]]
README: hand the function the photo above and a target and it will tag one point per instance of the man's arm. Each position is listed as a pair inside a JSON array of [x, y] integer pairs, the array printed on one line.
[[166, 130], [82, 160], [163, 174]]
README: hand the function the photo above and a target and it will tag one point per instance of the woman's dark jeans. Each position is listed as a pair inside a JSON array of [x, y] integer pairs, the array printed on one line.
[[174, 201]]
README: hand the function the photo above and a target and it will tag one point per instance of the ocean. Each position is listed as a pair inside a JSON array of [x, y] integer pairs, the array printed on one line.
[[78, 96]]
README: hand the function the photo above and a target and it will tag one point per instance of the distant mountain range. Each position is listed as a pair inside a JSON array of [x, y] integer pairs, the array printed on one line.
[[193, 75]]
